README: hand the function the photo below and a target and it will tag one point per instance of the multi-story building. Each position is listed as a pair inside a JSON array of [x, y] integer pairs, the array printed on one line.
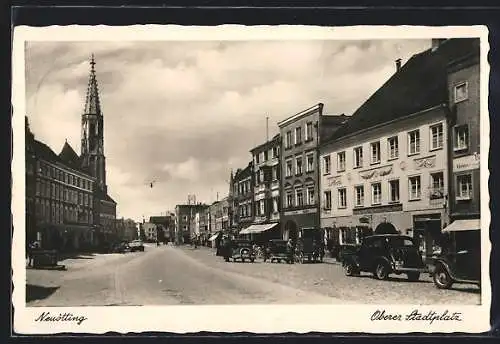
[[30, 160], [266, 190], [300, 139], [165, 225], [185, 221], [386, 169], [126, 229], [150, 231], [243, 197], [64, 216], [464, 133]]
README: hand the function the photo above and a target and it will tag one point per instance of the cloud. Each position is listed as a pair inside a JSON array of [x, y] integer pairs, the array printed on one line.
[[186, 113]]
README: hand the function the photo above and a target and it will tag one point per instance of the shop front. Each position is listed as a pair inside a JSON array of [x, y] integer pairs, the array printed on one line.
[[427, 233], [293, 221], [261, 233]]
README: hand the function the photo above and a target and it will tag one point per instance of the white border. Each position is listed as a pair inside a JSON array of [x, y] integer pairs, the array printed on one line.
[[254, 318]]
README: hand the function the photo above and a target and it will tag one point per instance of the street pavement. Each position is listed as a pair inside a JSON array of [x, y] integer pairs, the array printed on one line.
[[168, 275]]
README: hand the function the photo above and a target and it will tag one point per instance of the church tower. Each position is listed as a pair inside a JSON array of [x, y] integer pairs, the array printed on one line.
[[92, 152]]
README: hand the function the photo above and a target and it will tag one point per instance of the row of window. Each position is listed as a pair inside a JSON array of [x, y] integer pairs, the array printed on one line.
[[295, 137], [296, 198], [460, 135], [55, 212], [242, 188], [264, 156], [296, 168], [60, 192], [464, 191], [260, 176], [262, 206], [53, 172]]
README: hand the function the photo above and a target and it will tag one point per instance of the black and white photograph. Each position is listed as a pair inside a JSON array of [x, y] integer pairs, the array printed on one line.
[[326, 174]]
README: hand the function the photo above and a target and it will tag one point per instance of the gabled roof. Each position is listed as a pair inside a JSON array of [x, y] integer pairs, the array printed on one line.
[[45, 152], [69, 156], [420, 84]]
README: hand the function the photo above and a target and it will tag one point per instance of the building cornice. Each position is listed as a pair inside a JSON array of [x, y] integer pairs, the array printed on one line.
[[316, 108], [381, 125]]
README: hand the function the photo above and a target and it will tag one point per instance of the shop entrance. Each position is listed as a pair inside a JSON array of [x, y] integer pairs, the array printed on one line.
[[427, 233], [291, 231], [386, 228]]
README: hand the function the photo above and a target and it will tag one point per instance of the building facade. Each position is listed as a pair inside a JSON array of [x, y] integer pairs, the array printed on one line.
[[299, 185], [185, 221], [387, 169], [126, 229], [266, 175], [64, 215], [464, 132], [243, 197], [387, 179]]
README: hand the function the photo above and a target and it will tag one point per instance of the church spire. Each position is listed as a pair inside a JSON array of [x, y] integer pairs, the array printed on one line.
[[92, 103]]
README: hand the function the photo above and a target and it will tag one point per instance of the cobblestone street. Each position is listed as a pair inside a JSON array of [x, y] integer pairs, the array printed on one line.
[[180, 275], [328, 279]]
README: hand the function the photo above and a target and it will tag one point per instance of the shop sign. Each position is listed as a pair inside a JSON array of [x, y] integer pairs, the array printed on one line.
[[465, 163], [300, 212], [379, 209]]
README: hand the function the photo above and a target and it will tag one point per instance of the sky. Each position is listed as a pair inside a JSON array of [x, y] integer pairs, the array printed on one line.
[[184, 113]]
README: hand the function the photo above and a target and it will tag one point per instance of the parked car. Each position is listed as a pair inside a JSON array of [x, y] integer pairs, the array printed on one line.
[[459, 260], [385, 254], [309, 246], [136, 245], [277, 251], [239, 249], [121, 247]]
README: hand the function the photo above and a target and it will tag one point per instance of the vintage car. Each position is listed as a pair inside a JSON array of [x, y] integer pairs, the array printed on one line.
[[239, 249], [136, 245], [309, 246], [459, 260], [385, 254], [121, 247], [278, 251]]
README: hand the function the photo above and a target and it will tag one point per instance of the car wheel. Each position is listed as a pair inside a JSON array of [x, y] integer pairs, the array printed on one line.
[[381, 271], [413, 276], [226, 259], [442, 278], [350, 270]]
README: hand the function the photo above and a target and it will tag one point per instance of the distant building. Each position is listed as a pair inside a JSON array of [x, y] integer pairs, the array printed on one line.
[[300, 139], [266, 190], [150, 231], [165, 224], [185, 221], [243, 197], [126, 229]]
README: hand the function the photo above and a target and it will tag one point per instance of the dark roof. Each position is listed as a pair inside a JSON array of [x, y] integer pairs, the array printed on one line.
[[243, 173], [45, 152], [420, 84], [69, 156], [100, 194]]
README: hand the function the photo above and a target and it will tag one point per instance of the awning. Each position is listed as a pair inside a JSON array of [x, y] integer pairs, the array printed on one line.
[[258, 228], [213, 237], [463, 225]]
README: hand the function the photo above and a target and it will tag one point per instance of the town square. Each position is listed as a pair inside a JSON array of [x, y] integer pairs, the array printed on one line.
[[201, 173]]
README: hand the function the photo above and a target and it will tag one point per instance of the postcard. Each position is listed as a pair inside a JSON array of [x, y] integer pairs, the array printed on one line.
[[262, 179]]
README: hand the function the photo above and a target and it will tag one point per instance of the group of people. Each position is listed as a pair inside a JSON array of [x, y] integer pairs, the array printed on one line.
[[32, 247]]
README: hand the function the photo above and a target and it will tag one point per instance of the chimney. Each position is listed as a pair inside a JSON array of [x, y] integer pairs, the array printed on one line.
[[436, 42], [398, 65]]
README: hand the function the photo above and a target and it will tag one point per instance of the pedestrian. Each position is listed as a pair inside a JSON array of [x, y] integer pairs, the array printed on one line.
[[31, 248], [290, 249]]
